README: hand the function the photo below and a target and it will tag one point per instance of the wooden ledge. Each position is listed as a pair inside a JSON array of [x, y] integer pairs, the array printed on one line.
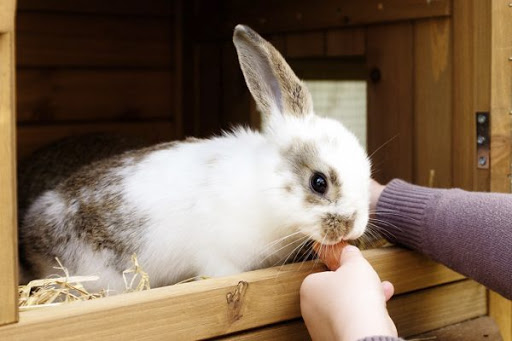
[[212, 307]]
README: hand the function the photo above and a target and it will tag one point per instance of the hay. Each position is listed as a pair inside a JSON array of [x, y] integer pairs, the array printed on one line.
[[50, 292]]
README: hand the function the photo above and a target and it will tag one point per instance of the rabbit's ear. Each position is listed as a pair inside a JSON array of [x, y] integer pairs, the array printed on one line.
[[270, 79]]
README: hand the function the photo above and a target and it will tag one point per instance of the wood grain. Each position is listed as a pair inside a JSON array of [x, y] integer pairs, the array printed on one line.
[[302, 45], [32, 137], [345, 42], [471, 88], [501, 130], [478, 329], [235, 95], [8, 223], [48, 95], [500, 309], [501, 97], [412, 313], [53, 39], [118, 7], [201, 309], [426, 310], [267, 16], [7, 8], [433, 102], [390, 101]]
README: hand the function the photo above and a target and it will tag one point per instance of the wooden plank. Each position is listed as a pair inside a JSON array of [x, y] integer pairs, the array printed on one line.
[[267, 16], [432, 102], [121, 7], [471, 88], [412, 313], [201, 309], [390, 104], [8, 223], [235, 95], [345, 42], [500, 309], [7, 9], [32, 137], [478, 329], [501, 130], [438, 307], [302, 45], [286, 331], [49, 95], [408, 271], [208, 97], [52, 39], [501, 97]]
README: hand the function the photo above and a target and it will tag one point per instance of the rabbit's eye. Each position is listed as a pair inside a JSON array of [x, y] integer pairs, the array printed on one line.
[[318, 183]]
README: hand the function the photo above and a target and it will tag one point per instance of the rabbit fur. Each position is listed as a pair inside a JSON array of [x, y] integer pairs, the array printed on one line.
[[212, 207]]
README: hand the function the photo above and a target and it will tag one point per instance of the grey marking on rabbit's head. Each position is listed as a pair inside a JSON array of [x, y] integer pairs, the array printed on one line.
[[302, 158], [271, 81]]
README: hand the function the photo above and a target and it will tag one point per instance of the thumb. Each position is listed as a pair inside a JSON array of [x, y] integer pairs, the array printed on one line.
[[350, 253]]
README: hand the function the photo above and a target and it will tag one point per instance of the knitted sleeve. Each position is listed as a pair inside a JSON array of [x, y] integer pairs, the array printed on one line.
[[469, 232]]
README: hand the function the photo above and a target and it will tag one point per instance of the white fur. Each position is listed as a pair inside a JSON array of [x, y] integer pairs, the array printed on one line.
[[219, 206]]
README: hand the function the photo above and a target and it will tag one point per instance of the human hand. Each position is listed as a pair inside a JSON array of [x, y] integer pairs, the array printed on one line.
[[375, 192], [347, 304]]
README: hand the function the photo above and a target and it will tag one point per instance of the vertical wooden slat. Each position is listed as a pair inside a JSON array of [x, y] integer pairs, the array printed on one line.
[[310, 44], [8, 224], [390, 100], [432, 102], [235, 95], [471, 88], [208, 89], [501, 114], [345, 42], [501, 95]]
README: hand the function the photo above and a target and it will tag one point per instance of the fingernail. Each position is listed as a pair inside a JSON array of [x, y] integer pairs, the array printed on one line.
[[350, 248]]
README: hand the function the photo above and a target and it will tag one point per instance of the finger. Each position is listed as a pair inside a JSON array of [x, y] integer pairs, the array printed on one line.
[[389, 289], [350, 253]]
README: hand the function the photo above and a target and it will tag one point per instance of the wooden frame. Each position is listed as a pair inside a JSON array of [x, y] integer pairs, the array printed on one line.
[[222, 306], [465, 64], [8, 223]]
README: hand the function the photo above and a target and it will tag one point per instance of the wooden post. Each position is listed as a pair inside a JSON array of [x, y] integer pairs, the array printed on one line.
[[501, 115], [8, 225]]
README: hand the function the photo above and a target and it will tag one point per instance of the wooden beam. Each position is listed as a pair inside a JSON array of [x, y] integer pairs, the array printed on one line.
[[33, 137], [413, 313], [268, 16], [56, 95], [390, 128], [7, 9], [471, 88], [345, 42], [8, 220], [206, 309], [118, 7], [433, 102], [501, 130], [73, 40], [501, 97]]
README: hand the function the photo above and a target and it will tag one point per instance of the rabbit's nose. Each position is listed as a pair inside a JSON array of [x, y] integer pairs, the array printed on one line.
[[336, 226]]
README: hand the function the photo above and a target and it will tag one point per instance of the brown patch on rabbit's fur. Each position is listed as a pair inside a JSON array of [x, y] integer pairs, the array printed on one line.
[[334, 226], [91, 194]]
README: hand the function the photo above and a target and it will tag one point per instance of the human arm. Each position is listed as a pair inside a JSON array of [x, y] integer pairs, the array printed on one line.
[[470, 232]]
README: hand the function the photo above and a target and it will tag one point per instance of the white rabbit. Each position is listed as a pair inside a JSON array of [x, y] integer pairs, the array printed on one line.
[[212, 207]]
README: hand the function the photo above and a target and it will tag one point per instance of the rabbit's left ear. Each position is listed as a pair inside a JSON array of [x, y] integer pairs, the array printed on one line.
[[269, 78]]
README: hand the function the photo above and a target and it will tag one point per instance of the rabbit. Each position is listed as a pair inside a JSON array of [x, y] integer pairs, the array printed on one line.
[[209, 207]]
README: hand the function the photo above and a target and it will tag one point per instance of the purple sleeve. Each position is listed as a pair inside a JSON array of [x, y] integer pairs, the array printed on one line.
[[469, 232]]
